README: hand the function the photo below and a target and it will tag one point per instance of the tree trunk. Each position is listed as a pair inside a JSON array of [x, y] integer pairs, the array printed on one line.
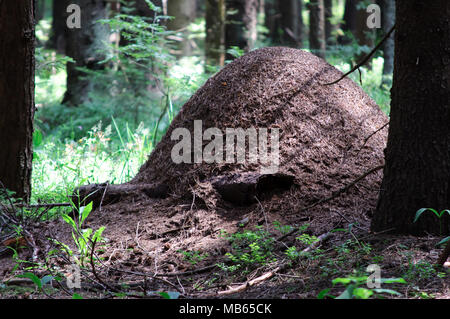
[[417, 170], [272, 20], [215, 32], [349, 15], [87, 46], [17, 95], [328, 4], [388, 21], [184, 12], [40, 10], [291, 22], [317, 41], [364, 35], [241, 22], [58, 35]]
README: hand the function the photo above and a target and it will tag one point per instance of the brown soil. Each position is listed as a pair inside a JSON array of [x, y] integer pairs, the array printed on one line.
[[323, 147]]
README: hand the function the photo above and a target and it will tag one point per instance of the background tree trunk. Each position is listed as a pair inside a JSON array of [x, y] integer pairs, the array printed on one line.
[[58, 35], [87, 46], [349, 25], [328, 7], [291, 22], [363, 34], [417, 170], [17, 95], [272, 20], [241, 22], [184, 12], [215, 32], [388, 21], [317, 41]]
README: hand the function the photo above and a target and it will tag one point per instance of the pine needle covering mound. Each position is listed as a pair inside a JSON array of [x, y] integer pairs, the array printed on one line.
[[323, 130]]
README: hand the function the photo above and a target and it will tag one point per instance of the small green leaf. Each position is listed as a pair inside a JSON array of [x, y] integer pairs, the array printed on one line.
[[169, 294], [387, 291], [69, 220], [46, 279], [393, 281], [444, 211], [85, 211], [343, 281], [76, 296], [98, 234], [443, 241], [324, 293], [362, 293], [421, 211], [348, 293], [35, 279], [164, 294]]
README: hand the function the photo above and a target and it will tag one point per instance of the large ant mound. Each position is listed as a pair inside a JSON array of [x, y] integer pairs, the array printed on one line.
[[330, 136], [325, 134], [322, 129]]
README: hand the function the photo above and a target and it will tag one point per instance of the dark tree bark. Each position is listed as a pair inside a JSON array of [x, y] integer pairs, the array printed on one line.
[[364, 35], [184, 12], [17, 64], [241, 22], [349, 24], [272, 18], [284, 21], [317, 41], [215, 32], [58, 35], [328, 6], [417, 170], [87, 46], [291, 22], [40, 10], [388, 21]]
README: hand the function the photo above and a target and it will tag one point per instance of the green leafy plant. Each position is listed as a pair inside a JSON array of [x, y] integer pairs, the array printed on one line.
[[354, 290], [439, 215], [251, 248], [83, 238], [193, 257], [38, 282]]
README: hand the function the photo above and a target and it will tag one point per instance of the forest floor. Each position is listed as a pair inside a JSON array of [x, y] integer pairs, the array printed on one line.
[[181, 250]]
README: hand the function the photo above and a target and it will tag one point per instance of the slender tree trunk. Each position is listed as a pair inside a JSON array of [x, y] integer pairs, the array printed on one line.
[[417, 170], [349, 23], [291, 22], [58, 34], [364, 35], [388, 17], [184, 12], [241, 22], [215, 32], [87, 46], [40, 10], [317, 41], [17, 34], [328, 4], [272, 20]]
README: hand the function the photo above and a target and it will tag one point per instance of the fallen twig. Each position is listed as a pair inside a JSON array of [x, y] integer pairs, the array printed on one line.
[[366, 58], [344, 189], [250, 283], [370, 136]]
